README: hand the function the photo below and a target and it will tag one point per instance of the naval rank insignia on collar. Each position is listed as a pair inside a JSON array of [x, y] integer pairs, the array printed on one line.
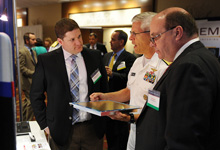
[[150, 76]]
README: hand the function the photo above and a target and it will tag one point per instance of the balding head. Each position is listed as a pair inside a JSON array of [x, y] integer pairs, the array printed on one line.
[[176, 16], [170, 30]]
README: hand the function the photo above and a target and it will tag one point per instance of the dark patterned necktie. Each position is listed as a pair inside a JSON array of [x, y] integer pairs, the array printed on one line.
[[32, 54]]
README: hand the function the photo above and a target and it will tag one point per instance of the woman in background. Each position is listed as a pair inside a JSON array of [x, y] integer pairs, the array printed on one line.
[[39, 48]]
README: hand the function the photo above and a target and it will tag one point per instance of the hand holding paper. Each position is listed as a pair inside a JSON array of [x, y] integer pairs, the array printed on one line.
[[120, 116]]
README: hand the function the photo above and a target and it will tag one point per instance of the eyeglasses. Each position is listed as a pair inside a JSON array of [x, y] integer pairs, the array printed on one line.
[[135, 33], [152, 39]]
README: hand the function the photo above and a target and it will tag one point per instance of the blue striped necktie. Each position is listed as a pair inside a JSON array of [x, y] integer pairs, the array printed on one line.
[[74, 86]]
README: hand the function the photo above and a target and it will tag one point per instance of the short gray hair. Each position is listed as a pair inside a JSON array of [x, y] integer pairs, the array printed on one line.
[[145, 19]]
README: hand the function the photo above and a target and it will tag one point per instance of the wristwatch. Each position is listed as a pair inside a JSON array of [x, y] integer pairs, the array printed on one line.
[[132, 118]]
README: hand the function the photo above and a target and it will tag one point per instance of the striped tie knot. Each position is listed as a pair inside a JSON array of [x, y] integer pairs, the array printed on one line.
[[73, 57]]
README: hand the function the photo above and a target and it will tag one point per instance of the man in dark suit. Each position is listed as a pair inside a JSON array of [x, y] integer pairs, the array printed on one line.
[[183, 110], [27, 59], [93, 44], [69, 128], [117, 131]]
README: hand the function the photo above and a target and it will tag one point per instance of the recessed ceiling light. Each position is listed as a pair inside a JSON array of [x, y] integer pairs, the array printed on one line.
[[97, 4], [123, 1]]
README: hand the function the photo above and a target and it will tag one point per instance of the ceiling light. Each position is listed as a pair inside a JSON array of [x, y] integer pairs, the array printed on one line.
[[85, 6], [143, 1], [97, 4], [4, 16], [109, 3], [123, 2]]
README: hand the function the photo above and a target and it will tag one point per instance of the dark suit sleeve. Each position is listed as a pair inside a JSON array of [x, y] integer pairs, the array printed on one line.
[[104, 49], [37, 96], [87, 45], [188, 107], [104, 81]]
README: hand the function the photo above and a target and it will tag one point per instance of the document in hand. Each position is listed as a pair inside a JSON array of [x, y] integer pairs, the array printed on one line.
[[104, 107]]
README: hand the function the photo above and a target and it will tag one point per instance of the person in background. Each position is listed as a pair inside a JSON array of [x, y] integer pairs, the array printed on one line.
[[94, 44], [39, 48], [118, 64], [143, 75], [47, 43], [68, 74], [28, 60], [183, 110]]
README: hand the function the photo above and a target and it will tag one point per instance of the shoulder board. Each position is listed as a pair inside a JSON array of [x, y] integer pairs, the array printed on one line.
[[167, 62], [55, 44]]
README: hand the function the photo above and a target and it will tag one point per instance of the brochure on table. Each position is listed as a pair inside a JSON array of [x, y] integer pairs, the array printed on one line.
[[24, 141]]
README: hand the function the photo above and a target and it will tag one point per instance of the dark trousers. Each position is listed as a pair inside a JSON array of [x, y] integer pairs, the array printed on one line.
[[82, 137], [117, 134]]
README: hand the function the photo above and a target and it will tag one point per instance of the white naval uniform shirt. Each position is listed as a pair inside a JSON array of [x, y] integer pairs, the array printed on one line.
[[139, 87]]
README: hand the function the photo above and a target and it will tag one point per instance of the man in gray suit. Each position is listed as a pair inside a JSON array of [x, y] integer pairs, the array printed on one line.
[[28, 59]]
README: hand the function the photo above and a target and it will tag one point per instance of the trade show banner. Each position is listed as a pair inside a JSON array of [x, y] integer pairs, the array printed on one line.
[[7, 26], [209, 34], [7, 93], [6, 67], [7, 88]]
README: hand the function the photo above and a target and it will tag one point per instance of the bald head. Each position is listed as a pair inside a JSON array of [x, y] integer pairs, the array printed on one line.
[[170, 30], [176, 16]]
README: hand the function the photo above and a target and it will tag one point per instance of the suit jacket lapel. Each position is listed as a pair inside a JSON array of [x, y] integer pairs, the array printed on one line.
[[119, 59], [108, 57], [88, 63], [60, 65], [98, 46], [29, 55], [163, 76], [190, 48]]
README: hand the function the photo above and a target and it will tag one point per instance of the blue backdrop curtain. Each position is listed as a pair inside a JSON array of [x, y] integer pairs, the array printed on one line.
[[7, 104], [7, 26]]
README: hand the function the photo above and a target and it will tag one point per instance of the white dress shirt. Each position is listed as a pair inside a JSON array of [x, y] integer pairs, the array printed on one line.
[[95, 46], [184, 47], [83, 85]]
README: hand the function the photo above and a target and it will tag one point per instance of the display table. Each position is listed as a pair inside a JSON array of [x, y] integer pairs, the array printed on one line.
[[24, 142]]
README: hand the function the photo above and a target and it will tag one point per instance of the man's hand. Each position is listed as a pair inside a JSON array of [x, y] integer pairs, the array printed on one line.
[[97, 96], [120, 116], [109, 71], [47, 130]]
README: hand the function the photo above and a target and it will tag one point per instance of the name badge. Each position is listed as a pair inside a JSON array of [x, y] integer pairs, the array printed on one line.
[[153, 99], [96, 75], [121, 66]]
